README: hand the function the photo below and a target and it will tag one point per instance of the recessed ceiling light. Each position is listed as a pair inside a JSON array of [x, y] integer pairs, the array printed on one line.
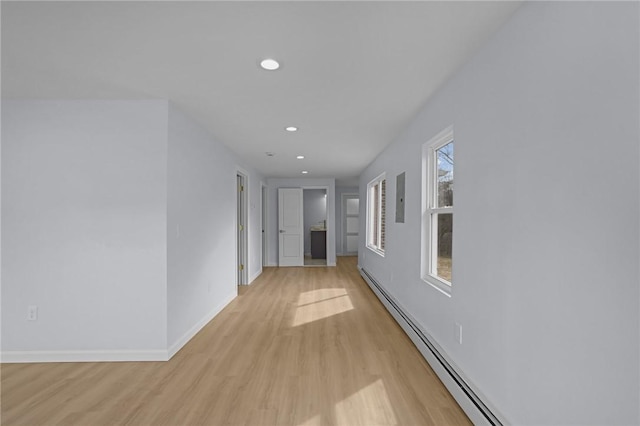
[[300, 157], [304, 172], [291, 129], [269, 64]]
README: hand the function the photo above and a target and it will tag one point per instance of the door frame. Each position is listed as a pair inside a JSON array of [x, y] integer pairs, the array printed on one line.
[[242, 227], [264, 205]]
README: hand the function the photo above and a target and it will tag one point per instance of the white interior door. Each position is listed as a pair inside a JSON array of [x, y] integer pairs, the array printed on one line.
[[351, 223], [290, 220]]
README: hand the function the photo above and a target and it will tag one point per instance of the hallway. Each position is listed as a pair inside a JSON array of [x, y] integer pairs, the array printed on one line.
[[300, 346]]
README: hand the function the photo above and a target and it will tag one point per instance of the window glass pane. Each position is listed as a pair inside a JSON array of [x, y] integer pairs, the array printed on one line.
[[444, 234], [444, 158]]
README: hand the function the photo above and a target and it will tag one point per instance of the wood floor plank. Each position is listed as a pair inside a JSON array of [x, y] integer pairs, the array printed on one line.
[[300, 346]]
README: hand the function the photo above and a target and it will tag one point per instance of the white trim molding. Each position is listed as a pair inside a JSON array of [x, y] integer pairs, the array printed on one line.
[[253, 277], [181, 342], [114, 355], [83, 356], [375, 214], [430, 211], [474, 403]]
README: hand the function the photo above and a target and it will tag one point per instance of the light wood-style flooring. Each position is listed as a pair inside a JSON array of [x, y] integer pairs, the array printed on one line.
[[300, 346]]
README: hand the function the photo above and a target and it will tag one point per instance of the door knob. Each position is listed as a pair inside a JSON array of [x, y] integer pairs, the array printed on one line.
[[282, 231]]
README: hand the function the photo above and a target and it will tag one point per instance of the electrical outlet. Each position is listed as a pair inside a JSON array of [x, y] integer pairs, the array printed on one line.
[[32, 313], [458, 330]]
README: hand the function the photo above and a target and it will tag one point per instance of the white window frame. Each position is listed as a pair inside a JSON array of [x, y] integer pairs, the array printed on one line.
[[429, 255], [377, 232]]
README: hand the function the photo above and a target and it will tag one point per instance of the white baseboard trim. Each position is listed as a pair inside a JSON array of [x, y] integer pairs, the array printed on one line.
[[82, 356], [488, 414], [179, 344], [254, 276], [271, 264], [8, 357]]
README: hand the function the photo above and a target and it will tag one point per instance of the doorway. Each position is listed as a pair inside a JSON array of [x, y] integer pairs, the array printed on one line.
[[315, 226], [241, 236]]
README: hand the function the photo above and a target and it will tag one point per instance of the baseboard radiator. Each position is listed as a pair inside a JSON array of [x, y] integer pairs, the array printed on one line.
[[469, 401]]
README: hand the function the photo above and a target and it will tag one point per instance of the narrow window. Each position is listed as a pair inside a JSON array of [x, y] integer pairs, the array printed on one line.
[[376, 195], [437, 212]]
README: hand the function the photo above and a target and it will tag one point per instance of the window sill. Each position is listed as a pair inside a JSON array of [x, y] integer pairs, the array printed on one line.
[[376, 250], [440, 285]]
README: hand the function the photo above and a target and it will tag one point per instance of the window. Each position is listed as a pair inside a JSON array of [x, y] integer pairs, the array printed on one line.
[[437, 210], [376, 195]]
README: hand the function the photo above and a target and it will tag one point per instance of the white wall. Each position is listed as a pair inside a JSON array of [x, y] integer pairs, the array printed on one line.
[[83, 226], [340, 190], [272, 214], [546, 240], [314, 212], [118, 222], [201, 227]]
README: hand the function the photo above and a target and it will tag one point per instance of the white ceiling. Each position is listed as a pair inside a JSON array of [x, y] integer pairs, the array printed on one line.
[[353, 73]]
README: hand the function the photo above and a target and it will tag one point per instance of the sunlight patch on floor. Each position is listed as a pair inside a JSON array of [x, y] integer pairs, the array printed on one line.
[[322, 303], [368, 406]]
